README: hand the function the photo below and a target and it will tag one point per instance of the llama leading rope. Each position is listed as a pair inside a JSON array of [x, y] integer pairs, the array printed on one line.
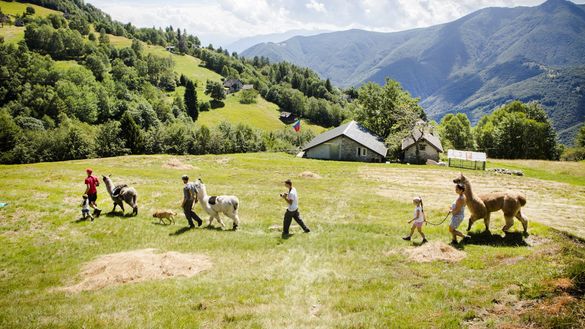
[[435, 224]]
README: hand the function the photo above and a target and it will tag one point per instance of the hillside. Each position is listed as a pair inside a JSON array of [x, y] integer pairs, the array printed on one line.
[[351, 271], [471, 65], [263, 115]]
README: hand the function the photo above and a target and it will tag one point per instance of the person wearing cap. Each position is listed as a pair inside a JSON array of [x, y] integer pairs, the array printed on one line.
[[292, 211], [91, 183], [189, 199]]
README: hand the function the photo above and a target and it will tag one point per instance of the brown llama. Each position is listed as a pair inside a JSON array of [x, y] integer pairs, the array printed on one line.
[[481, 206]]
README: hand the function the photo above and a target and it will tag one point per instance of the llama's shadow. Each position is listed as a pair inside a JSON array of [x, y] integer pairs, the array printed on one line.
[[486, 238], [218, 229], [81, 220]]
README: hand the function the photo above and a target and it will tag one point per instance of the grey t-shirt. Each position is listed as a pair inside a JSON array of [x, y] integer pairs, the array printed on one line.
[[189, 191]]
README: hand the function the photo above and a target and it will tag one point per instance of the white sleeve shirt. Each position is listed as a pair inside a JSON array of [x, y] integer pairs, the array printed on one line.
[[292, 196]]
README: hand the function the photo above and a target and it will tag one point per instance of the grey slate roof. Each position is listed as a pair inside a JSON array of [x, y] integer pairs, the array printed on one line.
[[354, 131], [230, 82], [431, 139]]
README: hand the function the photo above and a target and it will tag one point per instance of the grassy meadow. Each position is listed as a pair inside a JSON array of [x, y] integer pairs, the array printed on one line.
[[349, 272]]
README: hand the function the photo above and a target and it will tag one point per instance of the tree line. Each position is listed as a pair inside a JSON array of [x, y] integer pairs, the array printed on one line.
[[513, 131]]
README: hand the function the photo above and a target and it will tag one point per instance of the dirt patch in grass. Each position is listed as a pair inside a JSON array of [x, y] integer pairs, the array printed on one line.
[[561, 284], [535, 240], [512, 260], [223, 161], [138, 266], [434, 251], [177, 164], [308, 174]]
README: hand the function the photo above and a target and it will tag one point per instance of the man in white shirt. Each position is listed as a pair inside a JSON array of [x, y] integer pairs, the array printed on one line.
[[292, 211]]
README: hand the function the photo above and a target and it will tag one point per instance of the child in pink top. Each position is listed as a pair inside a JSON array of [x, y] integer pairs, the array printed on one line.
[[418, 220]]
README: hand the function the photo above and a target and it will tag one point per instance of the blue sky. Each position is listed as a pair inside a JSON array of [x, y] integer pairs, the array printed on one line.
[[224, 21]]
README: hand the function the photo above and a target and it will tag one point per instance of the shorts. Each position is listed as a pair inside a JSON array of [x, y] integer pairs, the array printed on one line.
[[85, 211], [418, 224], [92, 197], [456, 221]]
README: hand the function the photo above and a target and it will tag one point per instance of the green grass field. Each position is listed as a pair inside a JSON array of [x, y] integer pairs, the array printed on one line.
[[567, 172], [11, 33], [349, 272], [14, 8]]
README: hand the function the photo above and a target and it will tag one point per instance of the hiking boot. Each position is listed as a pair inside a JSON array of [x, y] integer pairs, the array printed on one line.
[[424, 241], [97, 212], [454, 242], [406, 238]]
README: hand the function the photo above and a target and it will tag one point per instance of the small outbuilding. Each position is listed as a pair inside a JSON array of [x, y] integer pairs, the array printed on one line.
[[429, 147], [348, 142], [232, 85], [287, 117]]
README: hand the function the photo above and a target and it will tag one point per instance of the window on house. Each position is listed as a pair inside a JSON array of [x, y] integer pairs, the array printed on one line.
[[364, 152], [422, 147], [359, 151]]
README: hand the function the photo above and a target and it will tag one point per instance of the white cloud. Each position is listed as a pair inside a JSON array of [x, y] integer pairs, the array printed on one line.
[[316, 6], [224, 21]]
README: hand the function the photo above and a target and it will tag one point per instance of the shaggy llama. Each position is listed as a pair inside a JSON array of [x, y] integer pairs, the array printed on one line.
[[124, 194], [215, 205], [481, 206]]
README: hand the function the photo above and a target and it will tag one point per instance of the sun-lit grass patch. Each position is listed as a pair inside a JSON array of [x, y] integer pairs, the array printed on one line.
[[17, 8]]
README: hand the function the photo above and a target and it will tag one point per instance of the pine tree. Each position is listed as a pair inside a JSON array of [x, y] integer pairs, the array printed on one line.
[[131, 133], [328, 86], [191, 100], [182, 41]]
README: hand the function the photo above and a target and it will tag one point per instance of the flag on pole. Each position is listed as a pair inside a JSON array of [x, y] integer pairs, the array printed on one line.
[[297, 125]]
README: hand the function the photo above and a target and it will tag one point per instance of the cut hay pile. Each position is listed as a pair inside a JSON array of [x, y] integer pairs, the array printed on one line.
[[138, 266], [308, 174], [434, 251], [177, 164]]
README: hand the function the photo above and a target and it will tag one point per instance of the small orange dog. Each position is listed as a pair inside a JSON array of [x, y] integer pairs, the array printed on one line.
[[165, 214]]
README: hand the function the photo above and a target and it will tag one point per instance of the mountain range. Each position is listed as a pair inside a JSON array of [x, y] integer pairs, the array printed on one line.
[[471, 65], [245, 43]]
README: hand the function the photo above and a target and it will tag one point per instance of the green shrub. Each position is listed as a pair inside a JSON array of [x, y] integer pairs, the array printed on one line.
[[573, 154]]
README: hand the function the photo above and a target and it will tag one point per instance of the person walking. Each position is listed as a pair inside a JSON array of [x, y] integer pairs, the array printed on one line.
[[457, 211], [189, 199], [91, 184], [418, 221], [292, 211]]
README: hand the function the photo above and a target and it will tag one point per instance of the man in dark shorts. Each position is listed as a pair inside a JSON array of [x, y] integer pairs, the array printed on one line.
[[91, 183], [189, 199]]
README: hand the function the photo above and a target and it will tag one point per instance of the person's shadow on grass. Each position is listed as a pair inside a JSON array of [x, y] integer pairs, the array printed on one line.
[[119, 214], [181, 231], [510, 239]]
